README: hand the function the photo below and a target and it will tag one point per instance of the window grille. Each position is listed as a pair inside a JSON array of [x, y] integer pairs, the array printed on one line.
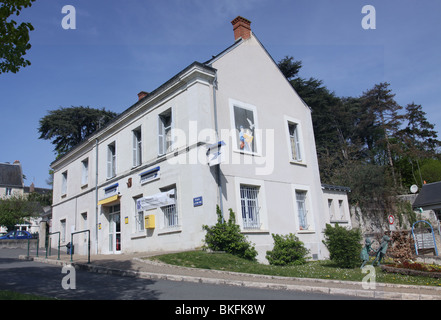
[[170, 216], [250, 207]]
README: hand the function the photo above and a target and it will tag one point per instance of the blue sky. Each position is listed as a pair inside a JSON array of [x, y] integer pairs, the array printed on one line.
[[122, 47]]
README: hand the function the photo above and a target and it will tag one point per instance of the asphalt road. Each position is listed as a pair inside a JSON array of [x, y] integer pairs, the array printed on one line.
[[46, 280]]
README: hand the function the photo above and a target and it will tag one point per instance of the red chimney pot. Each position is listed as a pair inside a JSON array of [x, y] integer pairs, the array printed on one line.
[[242, 28]]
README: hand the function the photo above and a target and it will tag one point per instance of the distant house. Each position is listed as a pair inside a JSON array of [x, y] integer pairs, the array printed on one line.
[[230, 131], [429, 200], [12, 184]]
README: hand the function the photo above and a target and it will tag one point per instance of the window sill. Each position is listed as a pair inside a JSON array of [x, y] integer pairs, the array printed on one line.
[[339, 221], [300, 163], [305, 231], [138, 235], [248, 153], [169, 231], [254, 231]]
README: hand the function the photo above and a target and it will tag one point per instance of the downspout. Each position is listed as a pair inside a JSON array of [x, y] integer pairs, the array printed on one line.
[[219, 183], [96, 196]]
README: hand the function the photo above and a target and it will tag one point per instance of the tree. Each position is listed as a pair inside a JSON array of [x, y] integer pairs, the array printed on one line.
[[14, 210], [67, 127], [379, 102], [14, 40], [418, 136], [343, 245]]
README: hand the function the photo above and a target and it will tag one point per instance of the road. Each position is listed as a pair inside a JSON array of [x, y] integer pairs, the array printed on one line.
[[46, 280]]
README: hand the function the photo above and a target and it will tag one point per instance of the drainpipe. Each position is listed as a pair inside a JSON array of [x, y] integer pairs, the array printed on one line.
[[219, 183], [96, 196]]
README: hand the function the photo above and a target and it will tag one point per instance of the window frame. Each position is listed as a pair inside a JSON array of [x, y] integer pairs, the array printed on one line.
[[137, 147], [310, 228], [165, 129], [111, 160], [297, 136], [85, 172], [64, 177], [252, 126]]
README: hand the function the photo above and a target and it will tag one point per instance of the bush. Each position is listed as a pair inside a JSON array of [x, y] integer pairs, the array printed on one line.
[[343, 245], [226, 236], [288, 250]]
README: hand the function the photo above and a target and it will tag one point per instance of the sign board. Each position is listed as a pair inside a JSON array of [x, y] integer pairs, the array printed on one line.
[[156, 201], [197, 202], [391, 219], [215, 153]]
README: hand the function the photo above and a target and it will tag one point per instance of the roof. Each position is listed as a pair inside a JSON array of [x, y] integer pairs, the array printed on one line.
[[335, 188], [149, 96], [11, 175], [430, 195]]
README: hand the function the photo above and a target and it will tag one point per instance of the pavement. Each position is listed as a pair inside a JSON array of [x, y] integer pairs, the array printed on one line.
[[138, 265]]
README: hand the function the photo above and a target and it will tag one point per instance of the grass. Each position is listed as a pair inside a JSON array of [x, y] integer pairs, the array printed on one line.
[[324, 269], [11, 295]]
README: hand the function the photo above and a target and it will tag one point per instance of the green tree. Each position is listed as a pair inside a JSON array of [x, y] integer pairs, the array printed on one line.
[[226, 236], [67, 127], [14, 210], [288, 250], [343, 245], [379, 102], [14, 39]]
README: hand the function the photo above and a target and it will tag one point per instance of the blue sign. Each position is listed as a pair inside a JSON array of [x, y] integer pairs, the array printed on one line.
[[197, 202]]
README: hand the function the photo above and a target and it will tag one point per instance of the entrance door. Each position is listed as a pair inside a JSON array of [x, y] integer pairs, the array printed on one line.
[[115, 229]]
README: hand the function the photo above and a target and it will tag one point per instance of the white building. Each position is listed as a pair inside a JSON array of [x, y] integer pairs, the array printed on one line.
[[142, 183]]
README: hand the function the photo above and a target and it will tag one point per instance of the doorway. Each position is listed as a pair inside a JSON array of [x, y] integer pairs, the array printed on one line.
[[114, 229]]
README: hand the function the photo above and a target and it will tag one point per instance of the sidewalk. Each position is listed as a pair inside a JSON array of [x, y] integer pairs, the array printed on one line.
[[133, 265]]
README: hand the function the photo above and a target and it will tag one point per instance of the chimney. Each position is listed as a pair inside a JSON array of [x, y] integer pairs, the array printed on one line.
[[17, 162], [242, 28], [142, 94]]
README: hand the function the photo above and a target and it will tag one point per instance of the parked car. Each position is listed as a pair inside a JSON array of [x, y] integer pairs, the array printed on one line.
[[17, 235]]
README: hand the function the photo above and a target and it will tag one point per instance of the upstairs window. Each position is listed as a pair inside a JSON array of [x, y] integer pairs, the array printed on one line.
[[111, 160], [164, 132], [137, 147], [296, 153], [84, 172], [64, 183]]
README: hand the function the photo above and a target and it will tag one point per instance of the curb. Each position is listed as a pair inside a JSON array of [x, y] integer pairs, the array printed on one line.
[[359, 293]]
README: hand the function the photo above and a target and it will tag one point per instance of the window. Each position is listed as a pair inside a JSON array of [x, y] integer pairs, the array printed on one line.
[[137, 147], [164, 132], [64, 183], [63, 230], [331, 209], [139, 216], [84, 172], [250, 206], [8, 191], [171, 219], [245, 126], [301, 210], [341, 209], [293, 130], [111, 160]]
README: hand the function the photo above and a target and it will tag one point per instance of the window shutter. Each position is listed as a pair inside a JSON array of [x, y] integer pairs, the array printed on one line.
[[161, 136]]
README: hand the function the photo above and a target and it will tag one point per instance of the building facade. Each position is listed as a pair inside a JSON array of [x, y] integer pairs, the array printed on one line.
[[230, 132]]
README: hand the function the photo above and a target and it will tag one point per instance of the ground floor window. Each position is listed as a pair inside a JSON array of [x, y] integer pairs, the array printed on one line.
[[250, 206], [301, 209]]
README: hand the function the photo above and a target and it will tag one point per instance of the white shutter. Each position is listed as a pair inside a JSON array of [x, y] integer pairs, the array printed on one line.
[[161, 136]]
